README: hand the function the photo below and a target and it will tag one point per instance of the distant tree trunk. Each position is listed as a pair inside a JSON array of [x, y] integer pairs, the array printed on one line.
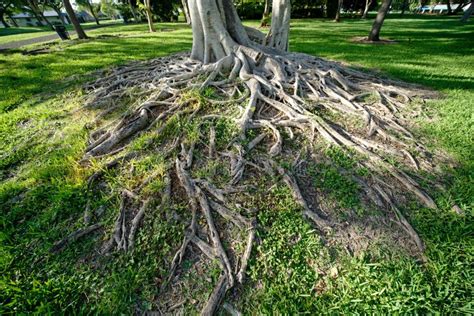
[[184, 4], [31, 5], [91, 9], [278, 37], [45, 19], [368, 3], [450, 11], [404, 6], [60, 14], [468, 13], [2, 19], [338, 12], [459, 7], [149, 16], [374, 34], [134, 11], [38, 13], [12, 19], [266, 14], [75, 22]]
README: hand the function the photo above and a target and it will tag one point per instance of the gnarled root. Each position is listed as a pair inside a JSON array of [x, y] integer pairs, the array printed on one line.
[[273, 96]]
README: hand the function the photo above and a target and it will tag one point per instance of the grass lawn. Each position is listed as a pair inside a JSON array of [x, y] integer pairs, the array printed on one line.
[[43, 188], [13, 34]]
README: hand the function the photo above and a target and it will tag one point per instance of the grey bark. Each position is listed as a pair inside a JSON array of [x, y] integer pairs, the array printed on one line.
[[280, 30], [368, 3], [338, 12], [374, 34], [266, 14], [184, 4], [149, 16], [75, 22]]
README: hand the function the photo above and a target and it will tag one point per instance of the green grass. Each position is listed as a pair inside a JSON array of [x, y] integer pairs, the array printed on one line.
[[42, 188], [14, 34]]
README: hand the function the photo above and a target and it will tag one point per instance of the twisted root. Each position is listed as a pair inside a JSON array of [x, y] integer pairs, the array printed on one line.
[[275, 94]]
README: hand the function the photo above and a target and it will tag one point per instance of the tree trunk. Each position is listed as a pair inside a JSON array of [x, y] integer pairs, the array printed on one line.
[[149, 16], [2, 19], [60, 15], [279, 34], [38, 12], [459, 7], [450, 11], [374, 34], [34, 10], [94, 15], [368, 3], [338, 12], [266, 14], [75, 22], [12, 19], [217, 30], [468, 13], [134, 12], [184, 4], [405, 6], [46, 20]]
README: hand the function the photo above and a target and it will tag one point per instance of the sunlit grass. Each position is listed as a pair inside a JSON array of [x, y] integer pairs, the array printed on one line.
[[43, 196]]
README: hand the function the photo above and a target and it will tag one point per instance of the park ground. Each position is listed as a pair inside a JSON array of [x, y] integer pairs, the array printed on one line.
[[42, 187]]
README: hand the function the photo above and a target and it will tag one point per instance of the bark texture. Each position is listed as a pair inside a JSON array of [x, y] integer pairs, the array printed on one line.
[[75, 22], [280, 30], [338, 12], [184, 5]]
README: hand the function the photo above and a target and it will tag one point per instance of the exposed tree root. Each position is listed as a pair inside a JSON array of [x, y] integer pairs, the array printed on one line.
[[270, 97]]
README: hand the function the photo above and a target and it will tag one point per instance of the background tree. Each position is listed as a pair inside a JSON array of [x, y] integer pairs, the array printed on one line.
[[56, 5], [109, 8], [146, 7], [4, 7], [266, 14], [467, 14], [34, 7], [368, 4], [75, 22], [374, 34], [184, 6], [337, 18], [88, 6]]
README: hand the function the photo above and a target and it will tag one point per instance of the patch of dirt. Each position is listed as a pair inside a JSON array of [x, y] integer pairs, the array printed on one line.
[[364, 40]]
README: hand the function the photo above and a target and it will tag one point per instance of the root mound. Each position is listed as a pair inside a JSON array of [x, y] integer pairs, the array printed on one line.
[[222, 131]]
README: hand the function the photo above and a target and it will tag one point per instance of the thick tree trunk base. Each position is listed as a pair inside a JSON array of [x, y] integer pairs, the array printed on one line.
[[284, 107]]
